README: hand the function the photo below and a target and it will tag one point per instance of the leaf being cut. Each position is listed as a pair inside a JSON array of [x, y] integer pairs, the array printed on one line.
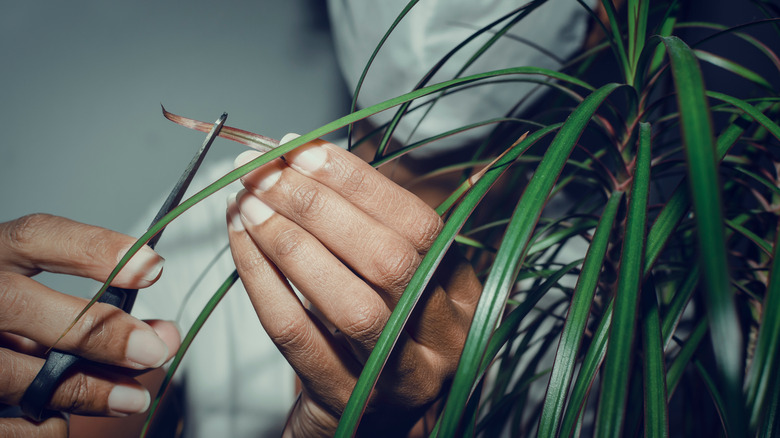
[[255, 141]]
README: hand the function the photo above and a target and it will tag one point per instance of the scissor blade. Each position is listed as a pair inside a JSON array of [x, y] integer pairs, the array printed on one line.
[[174, 198]]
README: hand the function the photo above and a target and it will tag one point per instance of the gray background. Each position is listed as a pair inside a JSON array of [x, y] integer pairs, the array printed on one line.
[[82, 83]]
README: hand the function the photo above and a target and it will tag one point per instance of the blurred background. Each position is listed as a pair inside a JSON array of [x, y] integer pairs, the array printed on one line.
[[82, 83]]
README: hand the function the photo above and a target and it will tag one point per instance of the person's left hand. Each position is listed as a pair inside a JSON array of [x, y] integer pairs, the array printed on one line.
[[350, 240]]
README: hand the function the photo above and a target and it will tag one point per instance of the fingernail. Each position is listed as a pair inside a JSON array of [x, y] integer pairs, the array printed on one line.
[[146, 349], [310, 159], [254, 210], [288, 137], [128, 400], [234, 216], [145, 264], [262, 178], [245, 157], [267, 181]]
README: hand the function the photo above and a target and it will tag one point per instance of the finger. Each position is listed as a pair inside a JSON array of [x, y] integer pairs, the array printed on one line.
[[366, 188], [53, 427], [82, 392], [346, 301], [306, 344], [378, 254], [41, 242], [21, 344], [104, 334]]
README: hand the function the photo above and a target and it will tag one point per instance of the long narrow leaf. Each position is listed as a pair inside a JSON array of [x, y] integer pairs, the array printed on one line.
[[185, 345], [725, 330], [679, 202], [637, 32], [376, 360], [733, 67], [675, 372], [511, 254], [617, 366], [750, 110], [656, 412], [762, 390], [576, 320], [370, 61], [590, 365]]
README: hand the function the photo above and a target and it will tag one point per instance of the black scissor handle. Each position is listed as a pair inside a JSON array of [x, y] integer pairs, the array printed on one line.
[[40, 391]]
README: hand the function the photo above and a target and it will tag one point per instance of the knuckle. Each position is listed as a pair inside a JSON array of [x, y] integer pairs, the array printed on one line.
[[425, 229], [426, 390], [289, 244], [93, 331], [352, 181], [252, 263], [364, 324], [307, 201], [22, 231], [423, 386], [95, 244], [291, 335], [395, 270], [78, 394]]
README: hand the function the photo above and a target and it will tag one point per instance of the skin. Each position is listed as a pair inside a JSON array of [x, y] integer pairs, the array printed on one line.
[[344, 234], [32, 316], [349, 239]]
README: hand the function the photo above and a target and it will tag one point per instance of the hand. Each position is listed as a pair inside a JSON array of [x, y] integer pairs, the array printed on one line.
[[349, 240], [32, 317]]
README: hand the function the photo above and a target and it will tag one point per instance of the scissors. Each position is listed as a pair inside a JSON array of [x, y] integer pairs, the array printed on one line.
[[40, 391]]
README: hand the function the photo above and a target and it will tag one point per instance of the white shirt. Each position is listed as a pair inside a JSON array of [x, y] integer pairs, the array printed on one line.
[[430, 31]]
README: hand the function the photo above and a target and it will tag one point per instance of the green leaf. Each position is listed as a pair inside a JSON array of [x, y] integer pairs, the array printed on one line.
[[733, 31], [666, 28], [683, 358], [725, 330], [677, 307], [637, 32], [613, 34], [370, 61], [763, 390], [733, 67], [679, 202], [762, 244], [717, 397], [576, 320], [750, 110], [590, 365], [656, 412], [376, 360], [617, 366], [185, 345], [510, 256]]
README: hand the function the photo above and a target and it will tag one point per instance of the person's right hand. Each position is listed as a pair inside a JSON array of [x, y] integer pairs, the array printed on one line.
[[32, 316]]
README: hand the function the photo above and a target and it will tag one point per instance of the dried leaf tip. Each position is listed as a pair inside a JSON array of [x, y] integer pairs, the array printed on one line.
[[255, 141], [474, 178]]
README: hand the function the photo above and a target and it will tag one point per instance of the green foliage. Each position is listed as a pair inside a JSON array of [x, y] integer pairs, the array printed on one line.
[[675, 296], [675, 300]]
